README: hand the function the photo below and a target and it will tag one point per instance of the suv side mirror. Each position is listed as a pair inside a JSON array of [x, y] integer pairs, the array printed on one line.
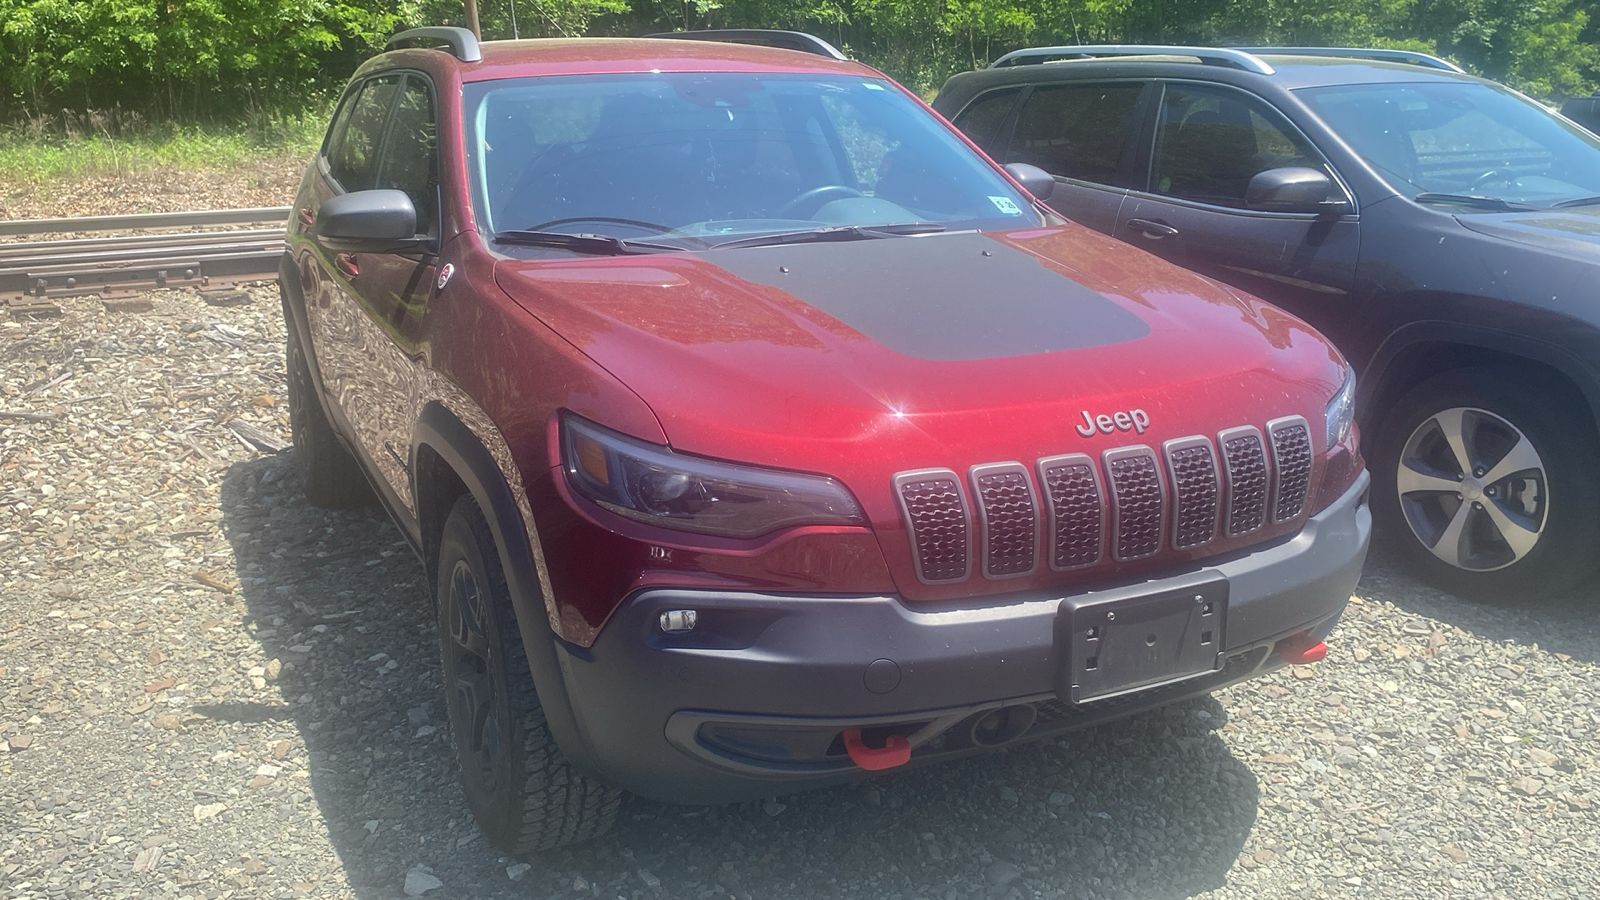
[[1292, 189], [1034, 180], [368, 222]]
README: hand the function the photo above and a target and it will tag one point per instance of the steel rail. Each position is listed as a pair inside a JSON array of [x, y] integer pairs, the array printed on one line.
[[34, 273], [257, 215]]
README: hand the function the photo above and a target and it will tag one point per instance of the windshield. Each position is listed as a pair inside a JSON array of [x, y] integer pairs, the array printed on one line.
[[1463, 139], [706, 158]]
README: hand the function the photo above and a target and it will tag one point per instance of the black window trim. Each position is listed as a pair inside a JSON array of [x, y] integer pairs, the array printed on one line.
[[351, 93], [1148, 152]]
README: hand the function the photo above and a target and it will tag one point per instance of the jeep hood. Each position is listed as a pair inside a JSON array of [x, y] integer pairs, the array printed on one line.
[[941, 350]]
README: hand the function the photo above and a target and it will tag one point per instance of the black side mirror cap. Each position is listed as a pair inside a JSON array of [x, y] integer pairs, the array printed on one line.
[[1293, 189], [382, 221], [1034, 180]]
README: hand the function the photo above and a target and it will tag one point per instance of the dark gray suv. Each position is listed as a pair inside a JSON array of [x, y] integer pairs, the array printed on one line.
[[1444, 230]]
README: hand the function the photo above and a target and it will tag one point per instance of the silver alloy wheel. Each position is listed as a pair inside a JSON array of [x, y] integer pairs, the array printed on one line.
[[1473, 489]]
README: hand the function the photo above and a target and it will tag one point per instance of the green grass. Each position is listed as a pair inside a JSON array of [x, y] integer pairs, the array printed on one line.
[[91, 146]]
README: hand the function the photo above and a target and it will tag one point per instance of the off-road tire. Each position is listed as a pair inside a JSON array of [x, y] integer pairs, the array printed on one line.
[[1551, 415], [333, 478], [524, 793]]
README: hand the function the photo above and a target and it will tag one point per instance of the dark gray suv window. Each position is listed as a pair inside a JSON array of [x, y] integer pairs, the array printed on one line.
[[1210, 142], [1077, 130], [985, 116]]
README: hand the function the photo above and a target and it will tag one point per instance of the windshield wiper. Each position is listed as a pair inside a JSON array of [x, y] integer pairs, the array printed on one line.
[[833, 233], [1576, 201], [1477, 200], [601, 244]]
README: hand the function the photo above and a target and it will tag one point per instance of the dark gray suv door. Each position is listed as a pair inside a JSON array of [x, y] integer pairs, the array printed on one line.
[[1209, 141]]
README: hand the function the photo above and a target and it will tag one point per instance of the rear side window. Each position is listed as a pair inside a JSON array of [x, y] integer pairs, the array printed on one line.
[[984, 117], [1210, 142], [353, 152], [409, 163], [1077, 130]]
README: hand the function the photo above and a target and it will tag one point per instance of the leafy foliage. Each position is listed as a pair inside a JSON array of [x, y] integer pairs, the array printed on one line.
[[187, 60]]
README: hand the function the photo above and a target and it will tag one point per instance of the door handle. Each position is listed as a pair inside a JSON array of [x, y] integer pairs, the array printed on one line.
[[1153, 230], [347, 264]]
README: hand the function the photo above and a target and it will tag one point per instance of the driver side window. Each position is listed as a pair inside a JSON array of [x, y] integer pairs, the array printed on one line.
[[1210, 142]]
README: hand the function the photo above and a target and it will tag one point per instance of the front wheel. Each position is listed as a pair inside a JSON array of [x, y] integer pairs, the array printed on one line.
[[1487, 485], [523, 792]]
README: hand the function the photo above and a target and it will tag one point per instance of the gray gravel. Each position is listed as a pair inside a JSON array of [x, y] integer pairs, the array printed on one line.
[[210, 689]]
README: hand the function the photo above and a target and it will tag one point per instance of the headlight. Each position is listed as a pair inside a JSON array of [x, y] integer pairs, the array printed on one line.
[[1341, 409], [652, 484]]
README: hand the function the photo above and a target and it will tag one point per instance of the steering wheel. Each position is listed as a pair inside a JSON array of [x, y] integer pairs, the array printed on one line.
[[1491, 176], [607, 220], [807, 203]]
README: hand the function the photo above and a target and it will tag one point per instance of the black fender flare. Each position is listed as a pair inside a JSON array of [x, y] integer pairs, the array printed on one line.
[[1410, 335], [442, 432]]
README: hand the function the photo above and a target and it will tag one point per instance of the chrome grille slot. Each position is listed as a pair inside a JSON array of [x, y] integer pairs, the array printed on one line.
[[1138, 502], [1244, 458], [1291, 461], [1192, 466], [936, 519], [1009, 514], [1076, 508]]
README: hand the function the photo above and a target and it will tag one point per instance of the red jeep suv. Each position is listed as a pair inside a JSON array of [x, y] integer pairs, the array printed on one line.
[[757, 431]]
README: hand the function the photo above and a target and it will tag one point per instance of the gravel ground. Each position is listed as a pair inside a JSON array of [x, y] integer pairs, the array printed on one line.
[[210, 689]]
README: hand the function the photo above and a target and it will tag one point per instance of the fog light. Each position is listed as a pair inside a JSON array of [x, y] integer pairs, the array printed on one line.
[[678, 621]]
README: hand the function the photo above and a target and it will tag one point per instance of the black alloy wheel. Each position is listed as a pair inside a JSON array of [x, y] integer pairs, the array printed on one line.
[[333, 478], [523, 792]]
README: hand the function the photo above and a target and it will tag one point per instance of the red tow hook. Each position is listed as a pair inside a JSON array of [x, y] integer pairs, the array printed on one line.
[[1302, 649], [896, 751]]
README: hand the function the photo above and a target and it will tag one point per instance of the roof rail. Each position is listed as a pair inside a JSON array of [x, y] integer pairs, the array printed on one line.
[[1399, 56], [463, 43], [1211, 56], [760, 37]]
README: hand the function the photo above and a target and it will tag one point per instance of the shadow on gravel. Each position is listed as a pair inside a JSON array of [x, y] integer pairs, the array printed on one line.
[[1152, 807], [1568, 624]]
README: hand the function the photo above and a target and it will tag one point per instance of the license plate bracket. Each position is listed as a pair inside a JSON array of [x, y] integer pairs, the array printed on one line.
[[1119, 642]]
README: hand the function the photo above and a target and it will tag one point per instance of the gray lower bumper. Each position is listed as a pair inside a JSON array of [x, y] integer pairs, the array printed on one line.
[[751, 702]]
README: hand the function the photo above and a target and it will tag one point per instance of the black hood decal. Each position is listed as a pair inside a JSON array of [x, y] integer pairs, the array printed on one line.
[[940, 297]]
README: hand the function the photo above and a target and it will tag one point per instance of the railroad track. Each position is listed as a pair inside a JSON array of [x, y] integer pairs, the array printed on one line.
[[206, 249]]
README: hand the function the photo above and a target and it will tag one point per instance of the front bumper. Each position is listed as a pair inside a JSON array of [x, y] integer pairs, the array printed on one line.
[[752, 702]]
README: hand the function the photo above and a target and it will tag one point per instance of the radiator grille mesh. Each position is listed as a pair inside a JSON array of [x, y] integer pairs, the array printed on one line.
[[1011, 522], [1136, 491], [938, 525], [1194, 494], [1076, 516], [1246, 462], [1291, 450]]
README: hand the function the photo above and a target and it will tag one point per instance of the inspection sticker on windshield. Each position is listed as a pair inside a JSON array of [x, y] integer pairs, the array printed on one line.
[[1006, 205]]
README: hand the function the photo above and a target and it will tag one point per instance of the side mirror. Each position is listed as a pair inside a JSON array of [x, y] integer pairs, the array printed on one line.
[[1033, 179], [1292, 189], [368, 222]]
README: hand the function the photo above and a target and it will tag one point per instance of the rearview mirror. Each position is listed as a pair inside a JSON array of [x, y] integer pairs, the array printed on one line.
[[1293, 189], [1033, 179], [368, 222]]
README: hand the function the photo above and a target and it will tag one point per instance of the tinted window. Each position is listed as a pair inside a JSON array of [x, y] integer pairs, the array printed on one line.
[[1210, 143], [711, 156], [1076, 130], [353, 157], [409, 163], [983, 119], [1463, 138]]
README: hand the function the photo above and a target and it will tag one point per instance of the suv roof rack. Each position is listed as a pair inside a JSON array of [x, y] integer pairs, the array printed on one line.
[[760, 37], [463, 44], [1211, 56], [1380, 55]]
